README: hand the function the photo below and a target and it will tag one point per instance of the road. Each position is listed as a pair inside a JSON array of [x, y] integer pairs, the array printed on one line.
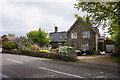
[[20, 66]]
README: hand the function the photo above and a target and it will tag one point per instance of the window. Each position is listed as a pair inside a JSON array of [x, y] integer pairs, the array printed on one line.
[[74, 35], [86, 34], [85, 46]]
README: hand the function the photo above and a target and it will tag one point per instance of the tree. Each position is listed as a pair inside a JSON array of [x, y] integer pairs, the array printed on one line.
[[11, 34], [23, 43], [9, 45], [103, 14], [100, 12], [40, 37], [85, 20]]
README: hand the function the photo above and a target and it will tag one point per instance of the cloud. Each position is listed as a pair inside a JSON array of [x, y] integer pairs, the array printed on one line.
[[22, 17]]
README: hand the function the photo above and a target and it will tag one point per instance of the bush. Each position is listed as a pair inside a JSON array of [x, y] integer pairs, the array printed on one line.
[[9, 45], [98, 52], [54, 50], [67, 59], [45, 51], [68, 50]]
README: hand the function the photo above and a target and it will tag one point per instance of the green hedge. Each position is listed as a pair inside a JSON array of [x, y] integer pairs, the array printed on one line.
[[44, 55]]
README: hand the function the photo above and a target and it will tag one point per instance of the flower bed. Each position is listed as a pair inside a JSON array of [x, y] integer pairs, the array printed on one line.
[[43, 54]]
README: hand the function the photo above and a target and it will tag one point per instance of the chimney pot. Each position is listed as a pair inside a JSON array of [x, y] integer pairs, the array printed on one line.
[[56, 29]]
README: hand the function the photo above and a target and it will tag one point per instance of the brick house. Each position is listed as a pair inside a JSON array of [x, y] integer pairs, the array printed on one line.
[[83, 36], [58, 38], [6, 38]]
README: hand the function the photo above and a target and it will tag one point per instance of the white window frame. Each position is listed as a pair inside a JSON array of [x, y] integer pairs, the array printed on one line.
[[86, 34], [74, 35], [85, 46]]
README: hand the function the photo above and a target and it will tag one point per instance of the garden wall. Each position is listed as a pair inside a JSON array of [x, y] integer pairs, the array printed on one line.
[[43, 55]]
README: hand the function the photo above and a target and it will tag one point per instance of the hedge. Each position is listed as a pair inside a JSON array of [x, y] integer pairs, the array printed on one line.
[[59, 56]]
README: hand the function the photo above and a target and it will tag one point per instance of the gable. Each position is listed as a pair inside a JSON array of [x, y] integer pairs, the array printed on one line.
[[83, 26], [80, 25]]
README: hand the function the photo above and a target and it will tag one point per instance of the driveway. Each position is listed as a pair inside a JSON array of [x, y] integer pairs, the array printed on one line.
[[99, 59]]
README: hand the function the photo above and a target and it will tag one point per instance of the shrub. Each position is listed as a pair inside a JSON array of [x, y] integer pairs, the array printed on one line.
[[23, 43], [98, 52], [68, 50], [67, 59], [9, 45], [54, 50], [44, 51]]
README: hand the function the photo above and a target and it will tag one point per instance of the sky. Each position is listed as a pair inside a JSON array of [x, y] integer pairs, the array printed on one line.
[[20, 17]]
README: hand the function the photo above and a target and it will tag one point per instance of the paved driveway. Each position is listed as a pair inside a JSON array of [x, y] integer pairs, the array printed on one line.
[[98, 59]]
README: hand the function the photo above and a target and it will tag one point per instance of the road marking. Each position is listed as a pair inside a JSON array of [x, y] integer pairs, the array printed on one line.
[[14, 61], [61, 72]]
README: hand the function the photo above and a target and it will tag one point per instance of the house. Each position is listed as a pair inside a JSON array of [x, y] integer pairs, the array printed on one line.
[[6, 38], [58, 38], [83, 36]]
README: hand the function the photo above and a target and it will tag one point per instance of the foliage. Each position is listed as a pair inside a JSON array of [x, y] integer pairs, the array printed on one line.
[[98, 52], [40, 37], [116, 36], [85, 20], [103, 14], [67, 50], [9, 45], [54, 50], [11, 34], [45, 51], [23, 43], [100, 12], [69, 59]]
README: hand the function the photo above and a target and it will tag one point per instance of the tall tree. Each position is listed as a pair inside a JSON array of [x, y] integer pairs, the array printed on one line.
[[40, 37], [100, 12]]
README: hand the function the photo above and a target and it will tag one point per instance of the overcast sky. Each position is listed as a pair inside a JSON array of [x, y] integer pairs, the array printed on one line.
[[21, 17]]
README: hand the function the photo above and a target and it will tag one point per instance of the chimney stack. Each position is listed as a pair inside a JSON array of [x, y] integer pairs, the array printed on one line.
[[56, 29]]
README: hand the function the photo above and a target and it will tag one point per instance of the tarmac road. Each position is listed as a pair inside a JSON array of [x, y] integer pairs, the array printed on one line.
[[20, 66]]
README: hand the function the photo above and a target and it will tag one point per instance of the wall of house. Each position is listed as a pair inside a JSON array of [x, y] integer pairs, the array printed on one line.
[[74, 42], [79, 27]]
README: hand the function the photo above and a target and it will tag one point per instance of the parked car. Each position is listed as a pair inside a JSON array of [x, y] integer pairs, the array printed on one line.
[[102, 52], [79, 52]]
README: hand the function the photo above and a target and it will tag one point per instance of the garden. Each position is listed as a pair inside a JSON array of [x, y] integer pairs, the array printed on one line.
[[36, 44]]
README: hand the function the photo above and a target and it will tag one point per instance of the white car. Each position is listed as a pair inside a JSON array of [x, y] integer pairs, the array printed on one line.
[[102, 52]]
